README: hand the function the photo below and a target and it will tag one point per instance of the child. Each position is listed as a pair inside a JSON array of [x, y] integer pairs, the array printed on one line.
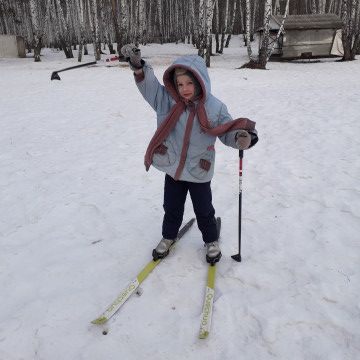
[[189, 118]]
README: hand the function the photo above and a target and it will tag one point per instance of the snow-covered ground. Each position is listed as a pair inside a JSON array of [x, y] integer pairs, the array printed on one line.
[[79, 216]]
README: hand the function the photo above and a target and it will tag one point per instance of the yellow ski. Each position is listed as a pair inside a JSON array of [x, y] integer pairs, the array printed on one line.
[[207, 311], [133, 285]]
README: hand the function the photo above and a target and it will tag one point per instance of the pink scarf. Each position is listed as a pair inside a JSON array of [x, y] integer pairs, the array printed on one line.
[[169, 123]]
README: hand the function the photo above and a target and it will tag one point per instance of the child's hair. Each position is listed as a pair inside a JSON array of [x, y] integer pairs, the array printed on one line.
[[178, 71]]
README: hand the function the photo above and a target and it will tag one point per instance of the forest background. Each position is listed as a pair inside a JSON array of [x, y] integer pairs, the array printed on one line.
[[66, 24]]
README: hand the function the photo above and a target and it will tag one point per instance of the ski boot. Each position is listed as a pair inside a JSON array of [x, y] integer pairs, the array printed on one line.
[[213, 252], [163, 248]]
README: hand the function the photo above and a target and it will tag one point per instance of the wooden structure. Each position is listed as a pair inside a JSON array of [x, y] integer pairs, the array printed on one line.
[[12, 46], [306, 36]]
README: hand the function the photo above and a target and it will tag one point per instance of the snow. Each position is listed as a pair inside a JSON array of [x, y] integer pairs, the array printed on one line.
[[80, 216]]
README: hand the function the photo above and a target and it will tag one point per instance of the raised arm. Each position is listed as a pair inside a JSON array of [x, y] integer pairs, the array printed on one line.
[[148, 84]]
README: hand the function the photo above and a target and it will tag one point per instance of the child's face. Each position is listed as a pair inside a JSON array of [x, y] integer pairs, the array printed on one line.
[[186, 87]]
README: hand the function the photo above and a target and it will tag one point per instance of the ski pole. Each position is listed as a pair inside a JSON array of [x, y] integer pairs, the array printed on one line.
[[237, 257], [55, 75]]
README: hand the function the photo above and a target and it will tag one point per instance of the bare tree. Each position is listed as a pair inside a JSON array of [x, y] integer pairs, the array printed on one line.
[[141, 28], [265, 48], [81, 34], [230, 28], [209, 12], [248, 30], [281, 30], [39, 12], [63, 29], [263, 52], [118, 33], [37, 31], [225, 25], [95, 28], [80, 22], [351, 28]]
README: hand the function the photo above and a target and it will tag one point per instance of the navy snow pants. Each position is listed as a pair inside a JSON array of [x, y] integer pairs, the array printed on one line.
[[175, 193]]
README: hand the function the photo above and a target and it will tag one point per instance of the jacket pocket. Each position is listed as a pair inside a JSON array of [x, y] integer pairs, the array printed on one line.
[[200, 165], [164, 155]]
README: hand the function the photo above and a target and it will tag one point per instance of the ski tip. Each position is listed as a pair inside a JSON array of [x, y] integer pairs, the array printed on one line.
[[99, 321], [185, 228], [203, 335]]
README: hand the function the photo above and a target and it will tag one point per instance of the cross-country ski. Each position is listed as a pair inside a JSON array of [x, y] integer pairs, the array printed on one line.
[[134, 284]]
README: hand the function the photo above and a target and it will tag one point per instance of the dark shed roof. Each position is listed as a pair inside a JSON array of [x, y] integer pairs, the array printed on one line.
[[310, 21]]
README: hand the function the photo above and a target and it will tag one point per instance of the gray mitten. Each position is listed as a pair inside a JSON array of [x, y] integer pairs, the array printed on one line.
[[242, 139], [132, 54]]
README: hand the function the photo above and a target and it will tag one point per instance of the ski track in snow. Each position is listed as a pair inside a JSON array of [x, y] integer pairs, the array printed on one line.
[[80, 216]]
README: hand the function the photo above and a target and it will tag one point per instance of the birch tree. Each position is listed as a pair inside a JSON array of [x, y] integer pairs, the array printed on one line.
[[216, 26], [201, 28], [351, 28], [63, 31], [248, 30], [118, 34], [280, 32], [194, 29], [263, 52], [80, 11], [39, 12], [37, 33], [160, 20], [94, 21], [265, 48], [230, 29], [225, 26], [141, 28], [4, 27], [95, 29], [209, 18]]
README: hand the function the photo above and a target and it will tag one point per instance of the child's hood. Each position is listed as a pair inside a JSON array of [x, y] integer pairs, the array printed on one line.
[[197, 66]]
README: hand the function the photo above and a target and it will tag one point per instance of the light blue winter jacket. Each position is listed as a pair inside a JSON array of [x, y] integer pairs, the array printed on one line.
[[201, 145]]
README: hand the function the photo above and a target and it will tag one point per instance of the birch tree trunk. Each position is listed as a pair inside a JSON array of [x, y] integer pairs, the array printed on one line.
[[350, 30], [63, 31], [231, 27], [248, 35], [35, 19], [160, 20], [209, 18], [80, 6], [356, 46], [281, 30], [4, 27], [225, 26], [263, 52], [142, 22], [216, 29], [355, 16], [252, 23], [202, 28], [95, 30], [114, 13]]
